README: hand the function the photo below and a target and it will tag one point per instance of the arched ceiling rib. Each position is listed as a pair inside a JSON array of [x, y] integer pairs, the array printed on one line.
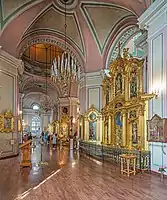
[[91, 24], [102, 29], [38, 84], [53, 20]]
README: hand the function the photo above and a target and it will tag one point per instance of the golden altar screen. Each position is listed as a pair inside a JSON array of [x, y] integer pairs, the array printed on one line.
[[125, 104]]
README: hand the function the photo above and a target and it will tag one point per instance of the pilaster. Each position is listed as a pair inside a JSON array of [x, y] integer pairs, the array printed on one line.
[[9, 100]]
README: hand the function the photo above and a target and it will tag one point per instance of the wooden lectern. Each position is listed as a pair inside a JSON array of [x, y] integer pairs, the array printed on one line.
[[25, 154]]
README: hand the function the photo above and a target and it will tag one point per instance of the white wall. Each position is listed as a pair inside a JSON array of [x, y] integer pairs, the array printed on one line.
[[93, 94], [8, 101], [154, 20]]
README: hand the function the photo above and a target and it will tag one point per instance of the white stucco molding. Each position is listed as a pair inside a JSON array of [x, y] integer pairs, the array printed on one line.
[[30, 111], [93, 74], [154, 11], [9, 63], [91, 79], [141, 42]]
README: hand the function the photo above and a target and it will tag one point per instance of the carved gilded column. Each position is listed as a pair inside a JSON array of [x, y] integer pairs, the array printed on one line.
[[111, 91], [141, 77], [124, 133], [141, 128], [98, 129], [86, 135], [103, 132], [126, 79], [129, 134], [109, 129], [113, 136], [103, 97]]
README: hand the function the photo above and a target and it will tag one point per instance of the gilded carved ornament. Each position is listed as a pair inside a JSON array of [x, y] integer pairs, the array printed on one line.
[[127, 105], [92, 114], [7, 122], [55, 123]]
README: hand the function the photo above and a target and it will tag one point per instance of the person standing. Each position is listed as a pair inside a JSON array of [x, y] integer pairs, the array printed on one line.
[[42, 136], [54, 141]]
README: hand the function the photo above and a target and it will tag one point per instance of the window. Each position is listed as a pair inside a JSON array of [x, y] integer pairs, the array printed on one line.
[[35, 124], [35, 107]]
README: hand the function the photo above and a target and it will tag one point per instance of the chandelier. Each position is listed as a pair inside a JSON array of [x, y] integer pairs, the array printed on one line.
[[64, 67]]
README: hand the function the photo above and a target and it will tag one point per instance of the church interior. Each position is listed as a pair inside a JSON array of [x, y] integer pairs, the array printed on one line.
[[83, 99]]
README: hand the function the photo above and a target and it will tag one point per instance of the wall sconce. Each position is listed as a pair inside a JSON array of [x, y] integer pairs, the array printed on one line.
[[157, 89]]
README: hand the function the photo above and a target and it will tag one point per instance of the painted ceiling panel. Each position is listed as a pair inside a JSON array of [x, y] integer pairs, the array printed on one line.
[[102, 19], [10, 6], [54, 20]]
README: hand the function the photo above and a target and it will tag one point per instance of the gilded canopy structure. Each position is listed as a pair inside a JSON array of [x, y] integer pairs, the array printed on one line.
[[124, 103]]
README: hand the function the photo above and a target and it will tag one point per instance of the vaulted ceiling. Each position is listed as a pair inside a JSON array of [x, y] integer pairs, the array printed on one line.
[[91, 25], [93, 29]]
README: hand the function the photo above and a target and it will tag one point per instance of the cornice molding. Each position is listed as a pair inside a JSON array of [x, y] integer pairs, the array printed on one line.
[[141, 42], [9, 63], [31, 40], [153, 12]]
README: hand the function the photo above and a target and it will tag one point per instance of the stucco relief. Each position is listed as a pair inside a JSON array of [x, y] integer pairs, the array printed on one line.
[[70, 5], [11, 5], [102, 19], [53, 20], [21, 67]]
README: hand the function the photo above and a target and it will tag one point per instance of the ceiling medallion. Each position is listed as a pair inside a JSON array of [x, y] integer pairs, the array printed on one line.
[[70, 4]]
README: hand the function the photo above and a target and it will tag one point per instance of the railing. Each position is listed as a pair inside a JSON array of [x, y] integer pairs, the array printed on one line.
[[112, 154]]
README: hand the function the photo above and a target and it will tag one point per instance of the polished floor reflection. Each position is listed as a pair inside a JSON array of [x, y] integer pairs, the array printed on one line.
[[65, 175]]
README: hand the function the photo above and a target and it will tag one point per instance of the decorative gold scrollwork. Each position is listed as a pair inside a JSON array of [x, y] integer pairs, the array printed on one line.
[[7, 122], [127, 103]]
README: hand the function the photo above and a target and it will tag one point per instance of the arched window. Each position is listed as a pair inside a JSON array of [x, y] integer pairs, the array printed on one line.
[[35, 107], [35, 125]]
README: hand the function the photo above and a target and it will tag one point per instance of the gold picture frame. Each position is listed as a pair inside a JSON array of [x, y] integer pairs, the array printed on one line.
[[7, 122]]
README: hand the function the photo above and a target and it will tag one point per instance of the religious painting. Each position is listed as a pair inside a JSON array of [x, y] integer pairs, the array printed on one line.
[[8, 122], [92, 125], [92, 130], [118, 122], [63, 126], [92, 117], [156, 129], [134, 133], [118, 83], [133, 84]]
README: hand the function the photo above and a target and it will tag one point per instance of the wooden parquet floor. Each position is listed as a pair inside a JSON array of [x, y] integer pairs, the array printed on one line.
[[70, 176]]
